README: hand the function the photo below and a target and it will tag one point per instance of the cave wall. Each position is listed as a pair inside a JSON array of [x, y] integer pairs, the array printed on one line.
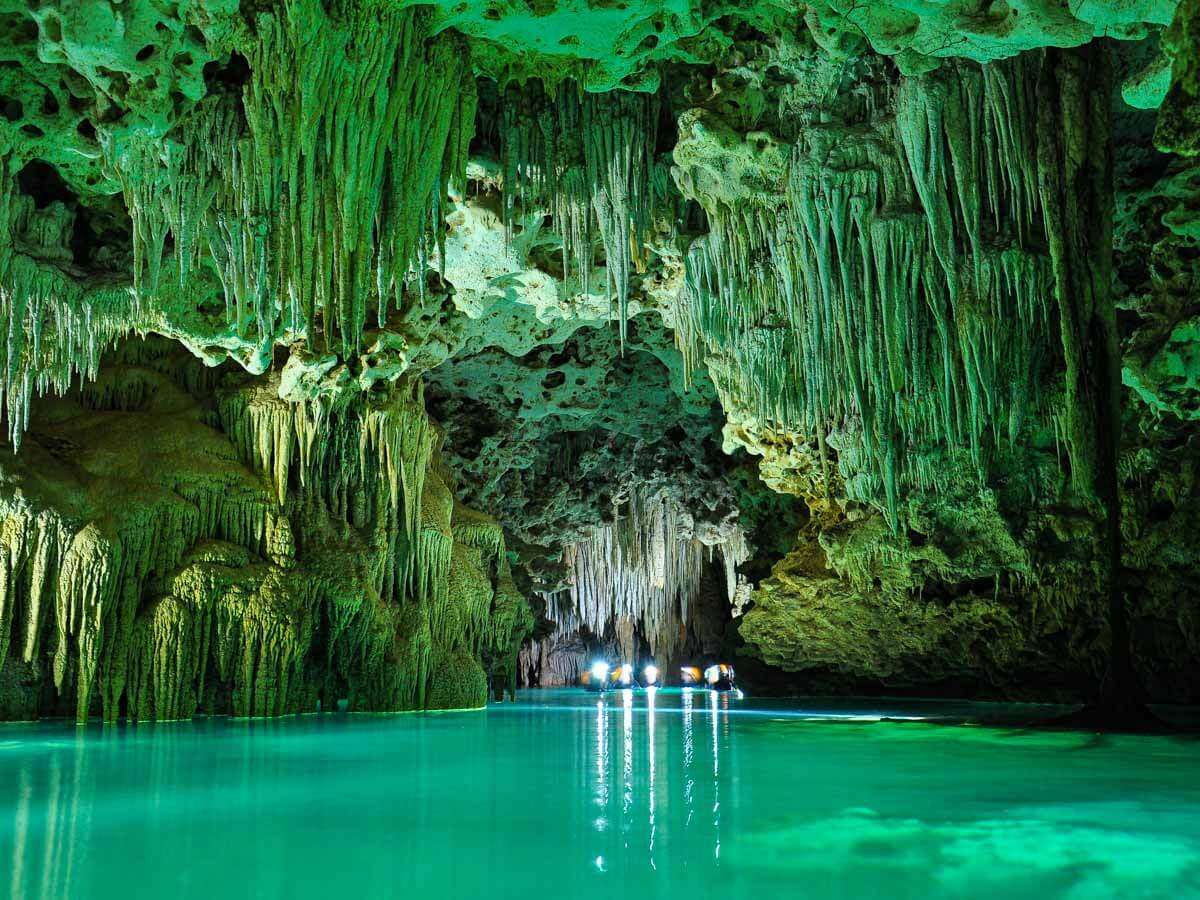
[[391, 352], [177, 542]]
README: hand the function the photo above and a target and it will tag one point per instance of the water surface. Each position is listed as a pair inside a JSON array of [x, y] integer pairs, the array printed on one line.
[[629, 796]]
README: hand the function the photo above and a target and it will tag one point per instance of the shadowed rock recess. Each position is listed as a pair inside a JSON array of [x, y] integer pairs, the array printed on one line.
[[366, 354]]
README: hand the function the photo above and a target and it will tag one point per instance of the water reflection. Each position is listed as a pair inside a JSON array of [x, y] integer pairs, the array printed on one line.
[[68, 807], [631, 793], [627, 768], [20, 832], [689, 752], [469, 805], [651, 694], [51, 811], [716, 767], [601, 822]]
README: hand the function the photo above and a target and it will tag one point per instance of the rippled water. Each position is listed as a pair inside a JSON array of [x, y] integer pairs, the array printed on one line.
[[672, 795]]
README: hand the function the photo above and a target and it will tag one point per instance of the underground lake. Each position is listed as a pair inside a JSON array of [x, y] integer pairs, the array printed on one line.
[[437, 435], [666, 794]]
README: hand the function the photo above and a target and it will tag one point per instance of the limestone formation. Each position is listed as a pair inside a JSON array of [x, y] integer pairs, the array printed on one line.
[[386, 355]]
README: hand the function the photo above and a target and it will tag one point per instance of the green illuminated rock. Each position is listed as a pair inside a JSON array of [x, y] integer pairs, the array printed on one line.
[[396, 353]]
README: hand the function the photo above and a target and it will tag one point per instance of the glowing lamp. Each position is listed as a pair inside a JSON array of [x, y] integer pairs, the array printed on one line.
[[650, 675], [720, 677], [600, 671]]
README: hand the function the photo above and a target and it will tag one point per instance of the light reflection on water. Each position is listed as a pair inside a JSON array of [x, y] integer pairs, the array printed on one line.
[[651, 694], [658, 794]]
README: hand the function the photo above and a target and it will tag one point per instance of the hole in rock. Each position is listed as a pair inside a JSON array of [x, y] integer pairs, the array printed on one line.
[[228, 75], [11, 108], [41, 181], [52, 29], [18, 29]]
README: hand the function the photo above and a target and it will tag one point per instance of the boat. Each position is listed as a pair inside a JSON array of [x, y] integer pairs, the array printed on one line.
[[596, 679], [717, 677], [603, 677], [720, 677]]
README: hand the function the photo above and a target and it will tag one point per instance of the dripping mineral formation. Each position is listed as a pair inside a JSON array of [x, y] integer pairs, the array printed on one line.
[[386, 356]]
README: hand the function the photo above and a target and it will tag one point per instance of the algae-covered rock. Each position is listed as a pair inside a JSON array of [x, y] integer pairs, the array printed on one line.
[[1179, 119], [457, 681], [392, 353], [168, 561]]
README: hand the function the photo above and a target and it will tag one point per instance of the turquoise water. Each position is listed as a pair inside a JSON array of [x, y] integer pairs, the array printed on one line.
[[624, 797]]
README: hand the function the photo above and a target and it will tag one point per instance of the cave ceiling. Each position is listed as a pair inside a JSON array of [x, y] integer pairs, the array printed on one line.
[[320, 316]]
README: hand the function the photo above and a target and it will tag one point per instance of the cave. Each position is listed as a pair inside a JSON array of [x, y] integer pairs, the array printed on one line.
[[705, 448]]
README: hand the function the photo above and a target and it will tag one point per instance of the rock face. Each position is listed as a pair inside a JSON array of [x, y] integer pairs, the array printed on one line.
[[178, 543], [388, 355]]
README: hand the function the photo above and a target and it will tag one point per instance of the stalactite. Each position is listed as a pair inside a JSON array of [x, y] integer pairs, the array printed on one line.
[[52, 328], [87, 580], [589, 159], [478, 530], [374, 469], [54, 332], [200, 582], [374, 462], [510, 623], [273, 432], [643, 570], [355, 122], [553, 661], [899, 300], [398, 432]]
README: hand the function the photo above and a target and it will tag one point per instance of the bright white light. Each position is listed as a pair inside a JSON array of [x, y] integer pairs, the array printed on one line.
[[712, 674], [600, 671], [650, 675], [626, 673]]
